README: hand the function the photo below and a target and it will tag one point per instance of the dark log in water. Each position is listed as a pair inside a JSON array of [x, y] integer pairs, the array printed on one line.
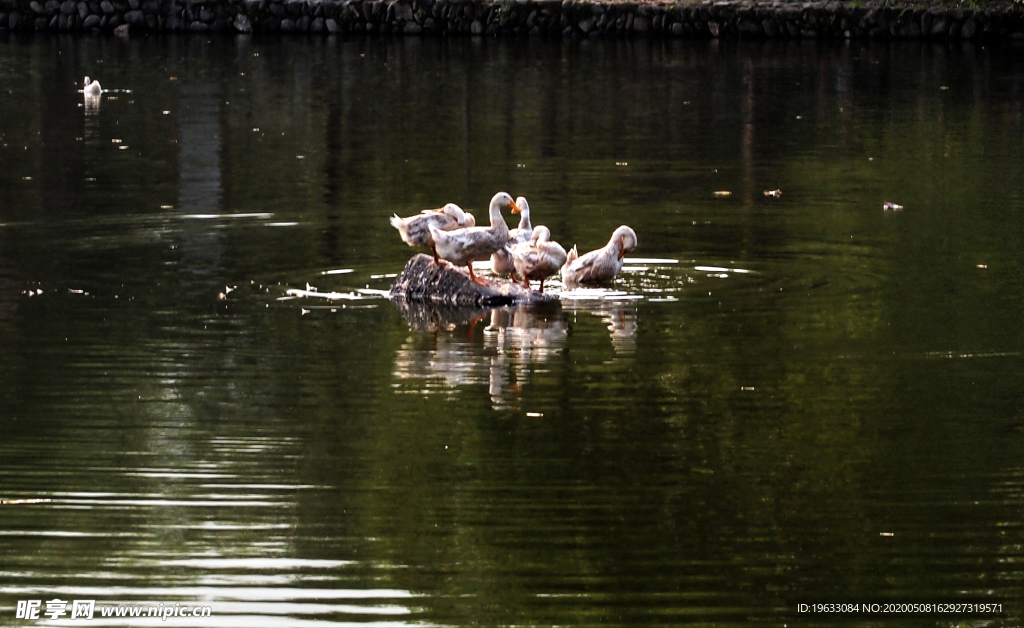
[[424, 281]]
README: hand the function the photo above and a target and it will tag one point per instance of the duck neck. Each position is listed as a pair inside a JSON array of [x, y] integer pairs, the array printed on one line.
[[497, 222], [615, 245], [524, 220]]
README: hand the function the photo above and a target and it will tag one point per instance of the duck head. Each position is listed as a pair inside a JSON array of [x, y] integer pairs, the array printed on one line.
[[624, 239]]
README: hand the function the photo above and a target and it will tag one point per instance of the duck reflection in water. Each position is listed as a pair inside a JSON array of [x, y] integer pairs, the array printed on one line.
[[522, 339], [621, 320], [92, 115], [515, 342], [92, 104]]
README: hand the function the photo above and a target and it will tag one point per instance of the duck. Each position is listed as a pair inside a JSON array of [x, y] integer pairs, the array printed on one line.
[[602, 264], [501, 260], [464, 246], [91, 87], [539, 258], [415, 231]]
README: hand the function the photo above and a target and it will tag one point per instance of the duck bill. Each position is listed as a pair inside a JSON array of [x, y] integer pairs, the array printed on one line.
[[622, 249], [515, 208]]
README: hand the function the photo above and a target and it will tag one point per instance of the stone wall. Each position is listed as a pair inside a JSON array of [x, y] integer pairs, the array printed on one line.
[[556, 18]]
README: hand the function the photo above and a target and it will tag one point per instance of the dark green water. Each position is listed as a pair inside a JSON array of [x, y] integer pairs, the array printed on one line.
[[784, 400]]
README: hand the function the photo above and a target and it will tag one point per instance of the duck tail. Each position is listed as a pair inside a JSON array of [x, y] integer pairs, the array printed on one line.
[[571, 256], [397, 222]]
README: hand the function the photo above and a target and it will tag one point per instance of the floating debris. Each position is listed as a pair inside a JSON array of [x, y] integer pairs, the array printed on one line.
[[16, 502], [982, 266], [338, 271], [891, 207], [347, 296], [773, 193], [722, 193]]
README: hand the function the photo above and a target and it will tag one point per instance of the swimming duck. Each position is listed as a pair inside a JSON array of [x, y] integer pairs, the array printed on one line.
[[602, 264], [415, 231], [463, 246], [539, 258], [91, 87], [501, 261]]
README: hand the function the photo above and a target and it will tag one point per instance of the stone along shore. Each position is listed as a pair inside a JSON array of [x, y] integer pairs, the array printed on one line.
[[555, 18]]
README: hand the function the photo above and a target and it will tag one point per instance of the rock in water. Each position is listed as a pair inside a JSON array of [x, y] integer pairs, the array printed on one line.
[[424, 281]]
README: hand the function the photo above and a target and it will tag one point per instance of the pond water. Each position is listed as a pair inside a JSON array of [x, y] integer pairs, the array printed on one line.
[[782, 400]]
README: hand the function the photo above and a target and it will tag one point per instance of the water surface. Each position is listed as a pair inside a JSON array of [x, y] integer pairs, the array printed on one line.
[[782, 400]]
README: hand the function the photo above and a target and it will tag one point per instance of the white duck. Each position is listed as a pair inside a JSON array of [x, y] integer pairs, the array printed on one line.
[[501, 261], [91, 87], [539, 258], [602, 264], [464, 246], [415, 230]]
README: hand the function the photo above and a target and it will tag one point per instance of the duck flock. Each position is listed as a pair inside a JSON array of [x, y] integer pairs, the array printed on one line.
[[526, 252]]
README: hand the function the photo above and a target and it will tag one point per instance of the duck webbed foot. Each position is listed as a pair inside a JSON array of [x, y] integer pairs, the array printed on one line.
[[473, 276]]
